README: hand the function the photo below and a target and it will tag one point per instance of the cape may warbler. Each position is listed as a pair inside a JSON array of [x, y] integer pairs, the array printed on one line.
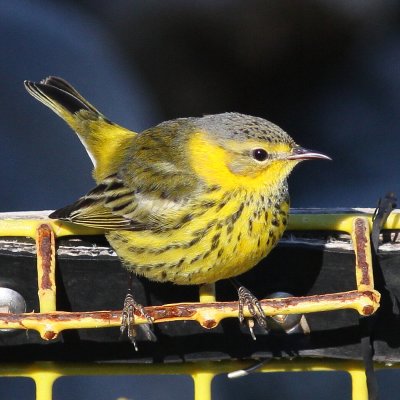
[[189, 201]]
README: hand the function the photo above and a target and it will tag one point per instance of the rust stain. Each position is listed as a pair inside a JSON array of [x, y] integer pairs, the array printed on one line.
[[361, 244], [368, 310], [44, 249], [283, 304], [60, 316], [371, 296], [209, 324], [176, 311], [49, 335]]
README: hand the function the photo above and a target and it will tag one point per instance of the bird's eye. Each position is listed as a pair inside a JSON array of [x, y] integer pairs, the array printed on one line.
[[259, 154]]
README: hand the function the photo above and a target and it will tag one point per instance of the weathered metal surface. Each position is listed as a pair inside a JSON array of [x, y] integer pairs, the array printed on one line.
[[208, 315], [362, 249], [46, 265]]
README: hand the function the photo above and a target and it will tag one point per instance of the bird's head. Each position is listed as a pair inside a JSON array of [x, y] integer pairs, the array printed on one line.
[[234, 150]]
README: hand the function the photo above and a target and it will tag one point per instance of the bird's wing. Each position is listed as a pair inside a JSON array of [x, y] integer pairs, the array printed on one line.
[[111, 205]]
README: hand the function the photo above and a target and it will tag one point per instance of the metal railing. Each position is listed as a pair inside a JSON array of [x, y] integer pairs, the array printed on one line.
[[207, 312]]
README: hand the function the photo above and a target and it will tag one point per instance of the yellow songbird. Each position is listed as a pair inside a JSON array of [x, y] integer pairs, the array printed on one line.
[[189, 201]]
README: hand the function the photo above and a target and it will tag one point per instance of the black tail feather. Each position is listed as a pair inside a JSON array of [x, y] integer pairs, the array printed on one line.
[[56, 93], [62, 84]]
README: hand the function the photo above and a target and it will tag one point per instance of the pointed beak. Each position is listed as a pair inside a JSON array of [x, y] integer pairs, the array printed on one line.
[[299, 153]]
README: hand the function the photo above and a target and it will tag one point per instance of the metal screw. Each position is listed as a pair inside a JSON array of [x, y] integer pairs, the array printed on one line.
[[290, 323]]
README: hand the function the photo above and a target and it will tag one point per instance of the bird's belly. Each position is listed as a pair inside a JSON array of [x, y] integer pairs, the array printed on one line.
[[205, 250]]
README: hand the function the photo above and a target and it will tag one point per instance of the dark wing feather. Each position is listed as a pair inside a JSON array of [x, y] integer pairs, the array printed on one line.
[[90, 210], [112, 206]]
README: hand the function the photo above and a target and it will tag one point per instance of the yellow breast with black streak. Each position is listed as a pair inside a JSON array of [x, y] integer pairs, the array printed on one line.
[[220, 240]]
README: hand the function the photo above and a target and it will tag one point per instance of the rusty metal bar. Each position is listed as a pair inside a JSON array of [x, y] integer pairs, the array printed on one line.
[[208, 315], [46, 264], [362, 247]]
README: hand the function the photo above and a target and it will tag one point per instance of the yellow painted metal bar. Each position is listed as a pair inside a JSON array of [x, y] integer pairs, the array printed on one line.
[[207, 314], [28, 228], [359, 389], [44, 384], [45, 373], [207, 293], [326, 222], [188, 368], [49, 325], [336, 222], [202, 384], [323, 222]]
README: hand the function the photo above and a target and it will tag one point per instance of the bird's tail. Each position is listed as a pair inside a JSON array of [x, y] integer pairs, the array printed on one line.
[[62, 98], [102, 139]]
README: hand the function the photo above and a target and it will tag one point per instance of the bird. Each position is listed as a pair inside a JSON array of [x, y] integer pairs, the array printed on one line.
[[190, 201]]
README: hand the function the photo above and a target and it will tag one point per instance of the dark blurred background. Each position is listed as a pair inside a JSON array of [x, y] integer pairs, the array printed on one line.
[[326, 71]]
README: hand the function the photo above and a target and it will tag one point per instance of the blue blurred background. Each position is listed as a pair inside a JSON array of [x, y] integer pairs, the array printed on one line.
[[326, 71]]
